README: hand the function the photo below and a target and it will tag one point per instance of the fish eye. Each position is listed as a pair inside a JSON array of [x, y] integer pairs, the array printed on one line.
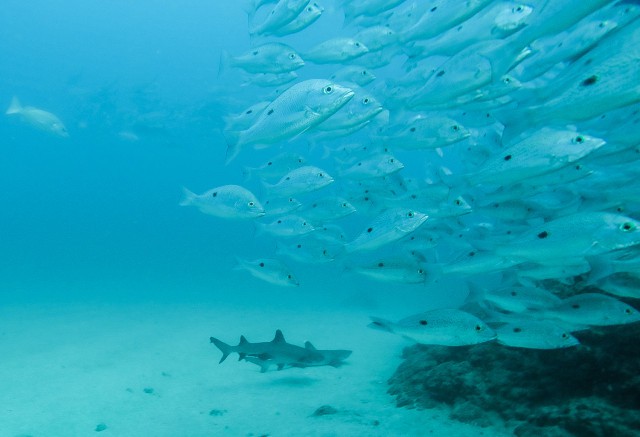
[[518, 9], [251, 203], [565, 335], [328, 89], [410, 214], [289, 277], [363, 72], [261, 264], [478, 328], [455, 127], [309, 9], [365, 100], [391, 160], [215, 194], [381, 264], [344, 205], [357, 44], [627, 227], [628, 311], [579, 139], [420, 271], [292, 55]]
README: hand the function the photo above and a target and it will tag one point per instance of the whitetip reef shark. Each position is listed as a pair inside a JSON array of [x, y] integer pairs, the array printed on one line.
[[281, 354]]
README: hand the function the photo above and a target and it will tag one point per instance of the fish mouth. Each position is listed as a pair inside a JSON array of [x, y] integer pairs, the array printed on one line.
[[344, 98]]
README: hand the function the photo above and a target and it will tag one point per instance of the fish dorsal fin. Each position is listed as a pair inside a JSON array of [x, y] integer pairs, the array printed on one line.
[[243, 340], [279, 338], [308, 346]]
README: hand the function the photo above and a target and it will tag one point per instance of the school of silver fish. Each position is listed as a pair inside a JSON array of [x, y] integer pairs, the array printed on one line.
[[507, 145]]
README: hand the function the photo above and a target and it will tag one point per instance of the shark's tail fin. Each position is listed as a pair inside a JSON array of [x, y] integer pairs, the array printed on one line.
[[224, 348], [15, 107]]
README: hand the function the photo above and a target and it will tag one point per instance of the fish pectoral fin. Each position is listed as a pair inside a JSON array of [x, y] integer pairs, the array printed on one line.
[[310, 113]]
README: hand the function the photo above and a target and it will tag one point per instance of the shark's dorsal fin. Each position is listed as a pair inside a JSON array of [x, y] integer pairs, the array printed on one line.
[[308, 346], [279, 338], [243, 340]]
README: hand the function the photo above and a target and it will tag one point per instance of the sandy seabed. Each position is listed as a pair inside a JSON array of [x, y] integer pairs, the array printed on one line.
[[148, 369]]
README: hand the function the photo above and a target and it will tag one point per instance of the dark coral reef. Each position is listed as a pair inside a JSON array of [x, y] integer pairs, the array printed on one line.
[[589, 390]]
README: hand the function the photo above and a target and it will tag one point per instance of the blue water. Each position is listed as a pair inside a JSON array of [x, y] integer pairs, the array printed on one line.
[[93, 220], [97, 213]]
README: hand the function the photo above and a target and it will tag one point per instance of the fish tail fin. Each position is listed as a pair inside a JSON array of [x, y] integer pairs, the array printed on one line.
[[15, 107], [249, 6], [476, 293], [381, 324], [452, 180], [233, 146], [247, 172], [188, 197], [226, 62], [224, 348]]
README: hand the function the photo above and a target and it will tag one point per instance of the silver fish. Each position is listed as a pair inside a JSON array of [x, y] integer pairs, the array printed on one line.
[[288, 226], [336, 51], [227, 201], [274, 58], [447, 327], [535, 335], [299, 108], [593, 309], [38, 118], [301, 180], [272, 271], [388, 227]]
